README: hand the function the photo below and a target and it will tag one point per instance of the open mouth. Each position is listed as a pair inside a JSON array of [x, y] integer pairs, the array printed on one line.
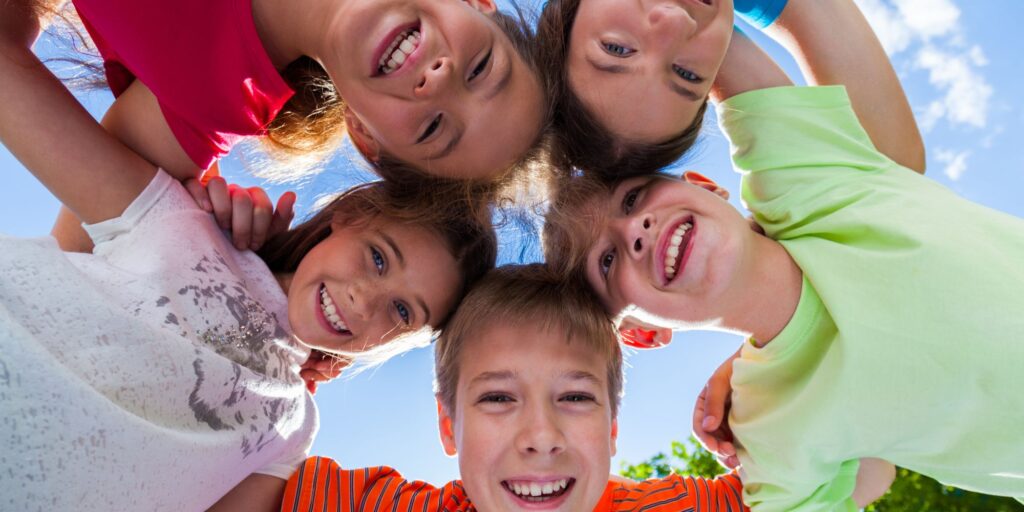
[[539, 492], [676, 248], [330, 312], [398, 50]]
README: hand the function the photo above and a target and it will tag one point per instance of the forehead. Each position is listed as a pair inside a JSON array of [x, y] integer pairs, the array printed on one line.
[[530, 352], [427, 265]]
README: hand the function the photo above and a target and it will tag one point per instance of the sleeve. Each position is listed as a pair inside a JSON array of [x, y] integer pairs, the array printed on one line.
[[321, 484], [805, 489], [677, 492], [108, 230], [759, 13]]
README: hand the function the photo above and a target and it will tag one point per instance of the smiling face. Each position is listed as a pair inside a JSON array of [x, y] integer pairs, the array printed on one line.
[[364, 285], [434, 83], [644, 67], [673, 249], [533, 426]]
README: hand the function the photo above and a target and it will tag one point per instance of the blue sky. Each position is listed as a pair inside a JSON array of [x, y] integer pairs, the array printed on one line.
[[957, 62]]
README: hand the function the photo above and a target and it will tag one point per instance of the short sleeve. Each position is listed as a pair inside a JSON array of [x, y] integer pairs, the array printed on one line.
[[823, 488], [110, 229]]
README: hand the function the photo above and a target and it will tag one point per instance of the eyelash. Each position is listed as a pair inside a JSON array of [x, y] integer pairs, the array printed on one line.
[[604, 264], [578, 397], [380, 263], [686, 74], [617, 50], [481, 67], [495, 398], [434, 125]]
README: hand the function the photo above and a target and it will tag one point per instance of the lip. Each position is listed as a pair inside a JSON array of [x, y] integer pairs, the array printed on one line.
[[663, 240], [382, 46], [319, 313], [545, 505]]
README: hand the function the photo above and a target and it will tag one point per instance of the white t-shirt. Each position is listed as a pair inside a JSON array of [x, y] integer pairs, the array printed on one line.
[[154, 374]]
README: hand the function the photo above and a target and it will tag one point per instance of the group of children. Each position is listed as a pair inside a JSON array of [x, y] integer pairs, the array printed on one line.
[[166, 339]]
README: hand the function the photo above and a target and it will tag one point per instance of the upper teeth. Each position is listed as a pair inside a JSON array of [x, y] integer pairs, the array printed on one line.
[[538, 489], [330, 311], [399, 50], [672, 253]]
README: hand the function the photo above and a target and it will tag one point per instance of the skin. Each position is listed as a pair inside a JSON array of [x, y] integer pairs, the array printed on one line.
[[530, 407], [464, 81], [385, 279], [644, 67]]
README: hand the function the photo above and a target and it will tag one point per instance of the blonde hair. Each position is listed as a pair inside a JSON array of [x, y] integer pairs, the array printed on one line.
[[528, 293]]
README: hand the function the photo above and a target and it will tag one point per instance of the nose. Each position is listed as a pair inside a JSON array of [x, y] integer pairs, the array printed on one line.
[[669, 23], [635, 234], [540, 433], [436, 78], [363, 298]]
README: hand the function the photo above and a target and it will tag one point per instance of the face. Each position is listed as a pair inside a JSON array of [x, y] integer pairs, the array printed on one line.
[[644, 67], [434, 83], [532, 425], [671, 248], [364, 285]]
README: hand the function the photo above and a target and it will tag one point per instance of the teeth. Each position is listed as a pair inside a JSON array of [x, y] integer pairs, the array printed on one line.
[[331, 311], [672, 253], [398, 51], [536, 490]]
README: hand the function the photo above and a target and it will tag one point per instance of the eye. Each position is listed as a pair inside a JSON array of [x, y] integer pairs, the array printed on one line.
[[577, 398], [378, 260], [430, 129], [496, 398], [629, 200], [617, 50], [481, 66], [403, 311], [686, 74], [605, 263]]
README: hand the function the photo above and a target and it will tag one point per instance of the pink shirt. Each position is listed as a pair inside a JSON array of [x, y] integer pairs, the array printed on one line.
[[201, 58]]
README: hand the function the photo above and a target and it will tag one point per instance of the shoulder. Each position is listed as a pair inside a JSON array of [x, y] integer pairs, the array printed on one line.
[[677, 492]]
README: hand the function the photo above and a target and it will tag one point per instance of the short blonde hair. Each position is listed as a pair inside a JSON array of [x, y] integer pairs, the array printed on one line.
[[527, 293]]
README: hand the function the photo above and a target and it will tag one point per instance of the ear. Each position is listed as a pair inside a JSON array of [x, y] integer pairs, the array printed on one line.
[[484, 6], [698, 179], [361, 137], [642, 335], [444, 427], [615, 435]]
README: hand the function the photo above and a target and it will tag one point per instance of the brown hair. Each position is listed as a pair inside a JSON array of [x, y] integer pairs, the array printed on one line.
[[465, 232], [580, 141], [534, 294], [571, 223]]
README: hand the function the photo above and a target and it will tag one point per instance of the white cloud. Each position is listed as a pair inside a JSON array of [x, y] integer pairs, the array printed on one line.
[[955, 162], [932, 29]]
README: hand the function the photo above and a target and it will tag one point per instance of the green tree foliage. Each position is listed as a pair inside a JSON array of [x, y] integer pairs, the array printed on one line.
[[910, 492]]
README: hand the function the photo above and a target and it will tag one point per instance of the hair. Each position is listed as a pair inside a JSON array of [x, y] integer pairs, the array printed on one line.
[[533, 294], [462, 227], [571, 223], [580, 140]]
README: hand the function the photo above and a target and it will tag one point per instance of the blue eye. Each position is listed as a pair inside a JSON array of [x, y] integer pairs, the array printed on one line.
[[403, 312], [605, 263], [686, 74], [378, 259], [617, 50]]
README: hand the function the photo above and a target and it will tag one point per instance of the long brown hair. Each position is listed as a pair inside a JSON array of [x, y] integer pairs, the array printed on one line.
[[580, 141]]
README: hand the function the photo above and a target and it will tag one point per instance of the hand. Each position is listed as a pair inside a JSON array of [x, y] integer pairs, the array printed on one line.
[[321, 367], [710, 415], [247, 212]]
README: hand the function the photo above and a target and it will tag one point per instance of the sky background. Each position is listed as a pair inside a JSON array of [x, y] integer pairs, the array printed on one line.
[[960, 64]]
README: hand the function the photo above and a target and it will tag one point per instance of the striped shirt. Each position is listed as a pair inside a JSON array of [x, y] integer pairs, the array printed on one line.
[[321, 484]]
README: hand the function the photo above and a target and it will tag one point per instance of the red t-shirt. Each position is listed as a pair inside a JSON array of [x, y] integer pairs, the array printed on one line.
[[321, 484], [202, 59]]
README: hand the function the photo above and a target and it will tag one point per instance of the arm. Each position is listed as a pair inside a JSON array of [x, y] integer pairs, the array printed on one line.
[[873, 480], [256, 493], [53, 136], [834, 45], [746, 67]]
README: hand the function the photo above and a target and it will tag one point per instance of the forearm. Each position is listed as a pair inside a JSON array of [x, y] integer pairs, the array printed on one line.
[[746, 68], [834, 45]]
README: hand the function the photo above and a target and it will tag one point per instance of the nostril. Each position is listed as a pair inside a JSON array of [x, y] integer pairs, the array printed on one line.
[[647, 223], [436, 66], [422, 83], [637, 245]]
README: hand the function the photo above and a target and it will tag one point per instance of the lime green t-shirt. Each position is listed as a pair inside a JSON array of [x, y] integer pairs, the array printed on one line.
[[906, 341]]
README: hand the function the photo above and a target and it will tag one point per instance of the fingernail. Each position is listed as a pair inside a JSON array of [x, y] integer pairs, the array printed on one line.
[[708, 421]]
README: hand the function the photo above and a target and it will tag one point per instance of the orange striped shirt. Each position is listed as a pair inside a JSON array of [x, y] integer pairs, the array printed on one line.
[[322, 485]]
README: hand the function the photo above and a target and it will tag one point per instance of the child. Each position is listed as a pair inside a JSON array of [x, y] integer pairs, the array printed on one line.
[[854, 301], [163, 370], [529, 378]]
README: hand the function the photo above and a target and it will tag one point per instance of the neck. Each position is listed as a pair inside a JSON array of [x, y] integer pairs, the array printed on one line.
[[770, 294], [290, 29]]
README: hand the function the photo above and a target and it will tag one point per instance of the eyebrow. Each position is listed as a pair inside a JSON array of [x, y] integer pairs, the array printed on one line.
[[683, 91], [619, 69], [401, 263], [502, 82], [492, 376], [608, 68], [583, 375], [454, 141]]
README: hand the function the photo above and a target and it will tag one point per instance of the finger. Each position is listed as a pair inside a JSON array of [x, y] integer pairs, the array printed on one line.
[[703, 435], [283, 215], [220, 198], [198, 192], [715, 398], [241, 217], [262, 209]]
